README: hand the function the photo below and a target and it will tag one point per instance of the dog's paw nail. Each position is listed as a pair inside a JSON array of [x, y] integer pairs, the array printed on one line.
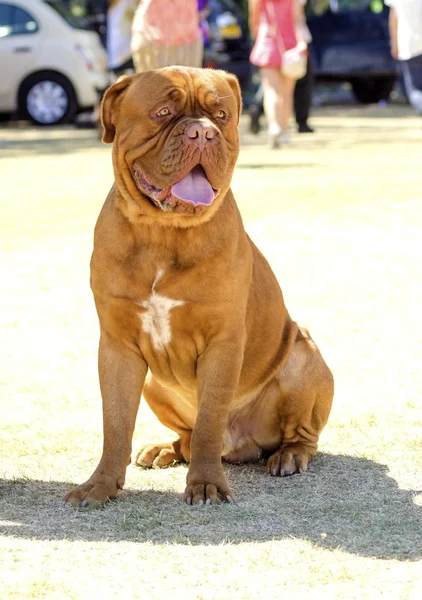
[[229, 499], [201, 502], [188, 500], [208, 502]]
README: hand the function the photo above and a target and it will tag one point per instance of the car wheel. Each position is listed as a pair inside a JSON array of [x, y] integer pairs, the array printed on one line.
[[371, 91], [47, 99]]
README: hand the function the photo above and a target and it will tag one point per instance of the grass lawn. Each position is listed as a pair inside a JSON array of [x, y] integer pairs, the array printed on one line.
[[339, 216]]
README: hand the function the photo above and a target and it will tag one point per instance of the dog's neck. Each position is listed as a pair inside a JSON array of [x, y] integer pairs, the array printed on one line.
[[181, 245]]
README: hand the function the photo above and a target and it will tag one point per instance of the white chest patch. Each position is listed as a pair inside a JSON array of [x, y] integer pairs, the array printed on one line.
[[156, 318]]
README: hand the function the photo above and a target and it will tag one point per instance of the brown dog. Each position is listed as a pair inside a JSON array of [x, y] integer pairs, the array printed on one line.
[[182, 292]]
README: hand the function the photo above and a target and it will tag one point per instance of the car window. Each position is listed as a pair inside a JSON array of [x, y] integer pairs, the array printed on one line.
[[351, 5], [75, 21], [16, 21], [319, 7], [347, 5]]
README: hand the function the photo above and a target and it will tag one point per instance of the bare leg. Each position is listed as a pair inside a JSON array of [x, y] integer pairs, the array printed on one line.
[[287, 86], [273, 103]]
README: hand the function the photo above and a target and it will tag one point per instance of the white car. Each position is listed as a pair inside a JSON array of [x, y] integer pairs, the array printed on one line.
[[51, 66]]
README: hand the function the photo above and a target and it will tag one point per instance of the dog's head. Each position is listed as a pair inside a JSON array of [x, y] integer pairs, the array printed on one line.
[[175, 136]]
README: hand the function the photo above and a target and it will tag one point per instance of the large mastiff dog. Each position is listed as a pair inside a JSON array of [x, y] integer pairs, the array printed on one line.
[[191, 314]]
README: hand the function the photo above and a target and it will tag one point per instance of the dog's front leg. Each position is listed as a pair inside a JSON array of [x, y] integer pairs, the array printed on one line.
[[122, 374], [218, 374]]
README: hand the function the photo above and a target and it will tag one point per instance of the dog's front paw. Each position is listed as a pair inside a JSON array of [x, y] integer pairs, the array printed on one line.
[[94, 492], [207, 489]]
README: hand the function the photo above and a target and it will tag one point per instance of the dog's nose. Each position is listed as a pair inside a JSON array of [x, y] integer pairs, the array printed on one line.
[[201, 133]]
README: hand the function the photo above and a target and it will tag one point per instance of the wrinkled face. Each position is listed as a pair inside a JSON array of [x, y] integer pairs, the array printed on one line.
[[175, 142]]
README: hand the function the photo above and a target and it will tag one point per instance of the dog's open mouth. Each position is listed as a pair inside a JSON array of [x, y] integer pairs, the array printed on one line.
[[191, 195]]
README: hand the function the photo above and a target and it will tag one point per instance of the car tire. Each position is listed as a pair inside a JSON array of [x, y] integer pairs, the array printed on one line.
[[47, 99], [371, 91]]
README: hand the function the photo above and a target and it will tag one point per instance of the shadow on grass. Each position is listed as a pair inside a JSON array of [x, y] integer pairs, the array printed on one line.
[[334, 139], [262, 165], [43, 145], [396, 110], [342, 503], [21, 139]]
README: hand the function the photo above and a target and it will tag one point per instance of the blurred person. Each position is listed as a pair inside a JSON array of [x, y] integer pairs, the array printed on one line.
[[302, 98], [120, 15], [304, 86], [405, 23], [93, 13], [203, 13], [96, 11], [165, 33], [276, 26]]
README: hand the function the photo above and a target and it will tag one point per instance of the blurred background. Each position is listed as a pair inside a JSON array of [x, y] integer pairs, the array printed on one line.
[[55, 54]]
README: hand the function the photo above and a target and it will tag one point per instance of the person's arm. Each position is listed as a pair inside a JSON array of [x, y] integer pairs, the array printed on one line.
[[204, 13], [392, 25], [254, 6], [300, 23]]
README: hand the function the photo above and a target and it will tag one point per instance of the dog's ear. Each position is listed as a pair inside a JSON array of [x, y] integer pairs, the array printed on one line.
[[108, 106], [234, 84]]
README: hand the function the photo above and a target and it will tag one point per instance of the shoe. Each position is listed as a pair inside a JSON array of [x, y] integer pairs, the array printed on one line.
[[277, 139], [415, 99], [284, 138], [274, 141], [254, 113], [304, 128]]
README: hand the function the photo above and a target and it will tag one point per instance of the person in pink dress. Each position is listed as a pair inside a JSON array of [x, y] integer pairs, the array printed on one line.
[[276, 26], [165, 33]]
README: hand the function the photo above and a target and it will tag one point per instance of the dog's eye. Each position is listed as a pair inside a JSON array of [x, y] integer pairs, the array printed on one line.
[[164, 112], [221, 114]]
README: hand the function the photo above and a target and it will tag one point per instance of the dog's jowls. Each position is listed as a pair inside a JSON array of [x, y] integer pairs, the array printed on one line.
[[190, 312]]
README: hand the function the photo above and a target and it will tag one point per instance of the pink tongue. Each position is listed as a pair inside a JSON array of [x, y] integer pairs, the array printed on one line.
[[194, 188]]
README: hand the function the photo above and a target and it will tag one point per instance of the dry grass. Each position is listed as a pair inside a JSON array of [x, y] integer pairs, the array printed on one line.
[[339, 216]]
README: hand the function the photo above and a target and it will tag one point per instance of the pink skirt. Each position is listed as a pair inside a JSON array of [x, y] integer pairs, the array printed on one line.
[[268, 48]]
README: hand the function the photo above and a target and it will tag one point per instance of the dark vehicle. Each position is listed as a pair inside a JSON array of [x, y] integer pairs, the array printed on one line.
[[351, 43], [229, 45], [93, 12]]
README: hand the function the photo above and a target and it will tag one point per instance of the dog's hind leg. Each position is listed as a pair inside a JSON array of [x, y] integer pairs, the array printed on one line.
[[174, 413], [164, 455], [306, 394]]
